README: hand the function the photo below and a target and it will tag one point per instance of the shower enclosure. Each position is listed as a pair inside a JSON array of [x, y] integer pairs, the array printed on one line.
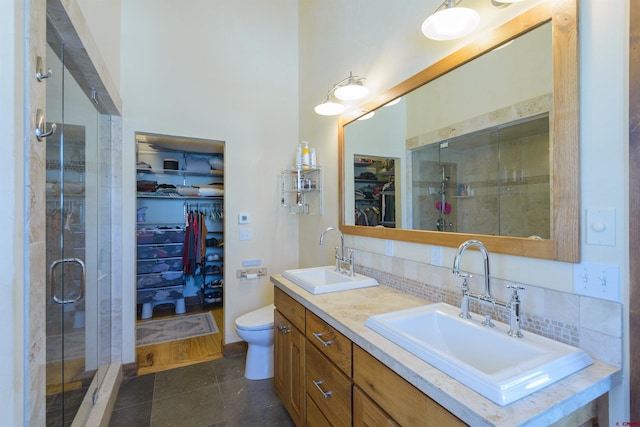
[[494, 181], [78, 240]]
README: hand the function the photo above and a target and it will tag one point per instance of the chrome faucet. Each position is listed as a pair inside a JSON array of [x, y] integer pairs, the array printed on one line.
[[513, 305], [340, 257], [485, 255]]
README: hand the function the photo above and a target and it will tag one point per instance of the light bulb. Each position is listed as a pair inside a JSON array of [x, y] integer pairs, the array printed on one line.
[[351, 91], [451, 23], [329, 108]]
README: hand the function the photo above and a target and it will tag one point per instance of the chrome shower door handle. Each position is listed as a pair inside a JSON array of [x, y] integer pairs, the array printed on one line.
[[40, 73], [52, 281], [40, 131]]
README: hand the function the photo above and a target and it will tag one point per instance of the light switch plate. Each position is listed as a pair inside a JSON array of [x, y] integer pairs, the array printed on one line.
[[243, 218], [597, 280], [245, 234]]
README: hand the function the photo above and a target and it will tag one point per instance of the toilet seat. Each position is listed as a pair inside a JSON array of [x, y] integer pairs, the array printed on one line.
[[256, 320]]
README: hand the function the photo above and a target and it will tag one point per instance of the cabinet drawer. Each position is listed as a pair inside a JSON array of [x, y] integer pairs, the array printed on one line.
[[330, 342], [292, 310], [315, 418], [328, 387], [367, 413], [396, 396]]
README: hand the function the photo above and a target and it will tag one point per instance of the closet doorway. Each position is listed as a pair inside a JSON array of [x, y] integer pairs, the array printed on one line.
[[180, 251]]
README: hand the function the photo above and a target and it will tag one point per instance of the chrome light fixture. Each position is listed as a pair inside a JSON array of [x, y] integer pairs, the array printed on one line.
[[348, 89], [450, 22]]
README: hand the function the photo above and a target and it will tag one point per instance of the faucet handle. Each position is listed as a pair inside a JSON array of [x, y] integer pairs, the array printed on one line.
[[515, 289], [465, 281]]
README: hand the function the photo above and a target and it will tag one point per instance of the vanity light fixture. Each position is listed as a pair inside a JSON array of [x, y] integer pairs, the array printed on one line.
[[450, 22], [329, 108], [348, 89]]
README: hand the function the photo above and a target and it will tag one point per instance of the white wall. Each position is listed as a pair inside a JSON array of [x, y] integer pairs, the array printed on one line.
[[228, 71], [103, 22], [12, 213], [383, 42]]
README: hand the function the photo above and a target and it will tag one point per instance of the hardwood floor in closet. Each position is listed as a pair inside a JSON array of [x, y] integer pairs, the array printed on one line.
[[175, 354]]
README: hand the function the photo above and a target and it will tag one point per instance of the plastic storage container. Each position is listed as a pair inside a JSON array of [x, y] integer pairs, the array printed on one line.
[[159, 251]]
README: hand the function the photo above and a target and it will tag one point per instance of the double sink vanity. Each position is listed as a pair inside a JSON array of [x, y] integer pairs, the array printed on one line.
[[350, 352]]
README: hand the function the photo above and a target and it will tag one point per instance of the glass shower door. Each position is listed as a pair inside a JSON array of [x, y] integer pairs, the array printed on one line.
[[77, 243]]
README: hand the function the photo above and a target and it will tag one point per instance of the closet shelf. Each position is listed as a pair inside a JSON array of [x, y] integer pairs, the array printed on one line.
[[178, 197]]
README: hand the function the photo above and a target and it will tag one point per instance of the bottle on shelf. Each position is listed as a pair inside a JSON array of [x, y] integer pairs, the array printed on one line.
[[313, 159], [306, 155], [299, 156]]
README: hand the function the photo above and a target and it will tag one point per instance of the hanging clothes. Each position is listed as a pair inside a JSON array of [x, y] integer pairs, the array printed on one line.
[[193, 249]]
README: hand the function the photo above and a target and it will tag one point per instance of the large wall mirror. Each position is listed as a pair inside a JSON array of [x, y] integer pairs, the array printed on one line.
[[483, 144]]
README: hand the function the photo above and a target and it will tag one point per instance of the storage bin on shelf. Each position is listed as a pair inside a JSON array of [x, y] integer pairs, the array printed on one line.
[[159, 295], [148, 236], [169, 250], [164, 279], [160, 278], [146, 266]]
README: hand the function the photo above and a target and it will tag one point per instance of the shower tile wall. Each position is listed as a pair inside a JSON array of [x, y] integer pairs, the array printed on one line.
[[508, 186]]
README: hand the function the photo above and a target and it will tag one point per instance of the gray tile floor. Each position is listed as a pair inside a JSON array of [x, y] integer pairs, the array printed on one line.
[[209, 394]]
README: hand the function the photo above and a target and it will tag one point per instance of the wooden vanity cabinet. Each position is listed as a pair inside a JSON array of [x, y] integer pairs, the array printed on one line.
[[403, 402], [328, 371], [367, 414], [315, 417], [289, 362], [335, 346]]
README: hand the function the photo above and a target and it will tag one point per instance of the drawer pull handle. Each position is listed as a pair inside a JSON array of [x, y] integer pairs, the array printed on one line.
[[317, 336], [325, 394], [284, 329]]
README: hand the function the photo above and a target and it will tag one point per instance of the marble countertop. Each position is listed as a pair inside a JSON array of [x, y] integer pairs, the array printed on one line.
[[347, 311]]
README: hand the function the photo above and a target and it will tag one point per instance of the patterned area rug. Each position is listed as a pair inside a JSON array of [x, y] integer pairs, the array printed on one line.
[[175, 328]]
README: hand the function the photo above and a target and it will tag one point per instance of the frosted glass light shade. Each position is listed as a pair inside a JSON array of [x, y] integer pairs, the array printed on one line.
[[451, 23], [368, 115], [351, 92], [329, 108]]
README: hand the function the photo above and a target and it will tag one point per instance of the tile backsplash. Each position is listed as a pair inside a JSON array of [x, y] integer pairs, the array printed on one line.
[[592, 324]]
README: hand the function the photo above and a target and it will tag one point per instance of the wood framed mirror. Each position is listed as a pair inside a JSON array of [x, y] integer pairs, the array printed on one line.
[[563, 243]]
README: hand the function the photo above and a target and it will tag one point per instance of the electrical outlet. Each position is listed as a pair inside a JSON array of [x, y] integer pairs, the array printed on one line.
[[597, 280], [436, 255], [388, 247]]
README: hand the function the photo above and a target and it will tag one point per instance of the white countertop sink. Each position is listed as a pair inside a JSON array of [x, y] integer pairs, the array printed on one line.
[[321, 280], [500, 367]]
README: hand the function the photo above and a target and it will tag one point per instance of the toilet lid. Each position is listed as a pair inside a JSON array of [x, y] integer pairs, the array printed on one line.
[[261, 318]]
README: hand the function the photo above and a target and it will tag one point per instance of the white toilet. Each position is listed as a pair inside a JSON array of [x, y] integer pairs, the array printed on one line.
[[256, 328]]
